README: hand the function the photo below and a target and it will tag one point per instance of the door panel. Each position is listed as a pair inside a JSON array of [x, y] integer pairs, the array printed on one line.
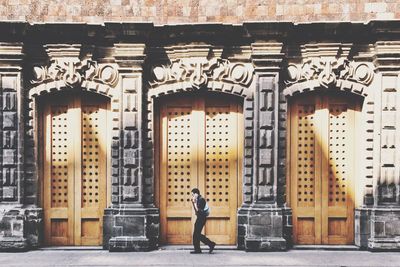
[[58, 187], [221, 166], [74, 173], [322, 197], [199, 146], [179, 166]]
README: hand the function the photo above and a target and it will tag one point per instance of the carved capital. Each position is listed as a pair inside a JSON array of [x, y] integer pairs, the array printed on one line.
[[130, 55], [267, 57], [199, 71], [387, 55], [73, 72], [11, 56], [328, 70]]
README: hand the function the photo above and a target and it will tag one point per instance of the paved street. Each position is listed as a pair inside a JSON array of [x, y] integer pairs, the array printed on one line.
[[44, 258]]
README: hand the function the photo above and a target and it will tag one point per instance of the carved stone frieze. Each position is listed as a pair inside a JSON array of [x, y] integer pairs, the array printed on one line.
[[327, 71], [73, 72], [199, 71]]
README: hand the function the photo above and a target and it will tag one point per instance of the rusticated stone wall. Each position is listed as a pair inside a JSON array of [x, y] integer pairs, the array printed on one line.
[[192, 11]]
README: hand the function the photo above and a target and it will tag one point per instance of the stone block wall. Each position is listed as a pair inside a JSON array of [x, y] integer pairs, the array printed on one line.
[[195, 11]]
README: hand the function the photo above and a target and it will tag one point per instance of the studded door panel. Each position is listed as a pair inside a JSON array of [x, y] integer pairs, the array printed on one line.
[[322, 144], [58, 186], [221, 169], [93, 181], [304, 173], [181, 150], [198, 148], [74, 169], [59, 157], [339, 201]]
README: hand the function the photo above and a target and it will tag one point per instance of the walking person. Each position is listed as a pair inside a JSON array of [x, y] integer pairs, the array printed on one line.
[[202, 211]]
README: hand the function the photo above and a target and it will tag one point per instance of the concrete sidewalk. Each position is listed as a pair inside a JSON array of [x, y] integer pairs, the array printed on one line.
[[45, 258]]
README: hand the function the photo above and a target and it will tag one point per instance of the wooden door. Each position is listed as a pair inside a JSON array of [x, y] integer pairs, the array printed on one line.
[[321, 169], [199, 148], [74, 169]]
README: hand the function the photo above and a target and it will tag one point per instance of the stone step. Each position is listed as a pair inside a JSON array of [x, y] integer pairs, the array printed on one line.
[[325, 247]]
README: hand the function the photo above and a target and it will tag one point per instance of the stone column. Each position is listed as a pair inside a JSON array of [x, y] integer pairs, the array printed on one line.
[[12, 217], [128, 224], [262, 220]]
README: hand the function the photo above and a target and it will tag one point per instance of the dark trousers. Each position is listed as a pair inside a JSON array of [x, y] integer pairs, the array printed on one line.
[[197, 236]]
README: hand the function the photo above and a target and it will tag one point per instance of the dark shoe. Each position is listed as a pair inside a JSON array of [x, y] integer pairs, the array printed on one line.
[[212, 246], [195, 252]]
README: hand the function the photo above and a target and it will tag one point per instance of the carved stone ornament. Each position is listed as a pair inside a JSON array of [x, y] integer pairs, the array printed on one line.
[[74, 71], [199, 71], [327, 71]]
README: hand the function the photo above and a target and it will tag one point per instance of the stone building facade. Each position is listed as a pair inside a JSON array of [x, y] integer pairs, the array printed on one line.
[[312, 110]]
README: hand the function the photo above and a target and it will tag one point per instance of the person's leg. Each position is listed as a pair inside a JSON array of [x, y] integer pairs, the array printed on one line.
[[196, 235], [204, 239]]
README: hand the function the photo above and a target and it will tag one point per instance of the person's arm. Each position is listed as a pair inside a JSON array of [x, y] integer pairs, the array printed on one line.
[[194, 203]]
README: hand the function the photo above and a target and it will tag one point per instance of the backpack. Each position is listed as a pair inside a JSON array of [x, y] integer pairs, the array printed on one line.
[[206, 210]]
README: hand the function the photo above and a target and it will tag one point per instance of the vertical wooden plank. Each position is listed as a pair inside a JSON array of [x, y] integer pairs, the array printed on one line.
[[199, 143], [233, 170], [47, 173], [323, 149], [163, 173], [102, 166], [294, 168], [76, 160], [351, 173]]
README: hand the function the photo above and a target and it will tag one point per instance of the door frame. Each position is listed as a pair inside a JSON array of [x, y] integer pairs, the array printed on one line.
[[39, 135], [157, 103], [357, 181]]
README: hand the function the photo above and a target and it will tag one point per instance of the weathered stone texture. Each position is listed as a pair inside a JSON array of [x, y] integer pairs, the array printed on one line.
[[191, 11]]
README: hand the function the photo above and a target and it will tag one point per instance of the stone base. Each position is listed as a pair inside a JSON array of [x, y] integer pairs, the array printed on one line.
[[13, 244], [131, 228], [264, 228], [265, 244], [378, 228], [128, 243], [20, 228]]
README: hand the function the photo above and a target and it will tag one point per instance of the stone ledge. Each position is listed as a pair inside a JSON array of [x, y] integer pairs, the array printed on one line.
[[128, 243]]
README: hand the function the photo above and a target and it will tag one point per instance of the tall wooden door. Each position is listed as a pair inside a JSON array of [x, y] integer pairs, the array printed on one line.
[[321, 169], [199, 147], [74, 169]]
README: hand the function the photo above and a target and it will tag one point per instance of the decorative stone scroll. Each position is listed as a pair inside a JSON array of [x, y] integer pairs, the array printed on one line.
[[199, 71], [73, 72], [327, 72]]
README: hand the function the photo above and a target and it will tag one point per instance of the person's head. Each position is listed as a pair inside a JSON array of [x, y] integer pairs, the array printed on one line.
[[195, 192]]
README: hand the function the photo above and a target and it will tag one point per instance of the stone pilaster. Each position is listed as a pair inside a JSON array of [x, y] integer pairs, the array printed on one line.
[[129, 224], [384, 215], [262, 221], [12, 214]]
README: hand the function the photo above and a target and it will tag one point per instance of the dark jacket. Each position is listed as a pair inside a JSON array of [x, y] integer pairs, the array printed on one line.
[[201, 203]]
